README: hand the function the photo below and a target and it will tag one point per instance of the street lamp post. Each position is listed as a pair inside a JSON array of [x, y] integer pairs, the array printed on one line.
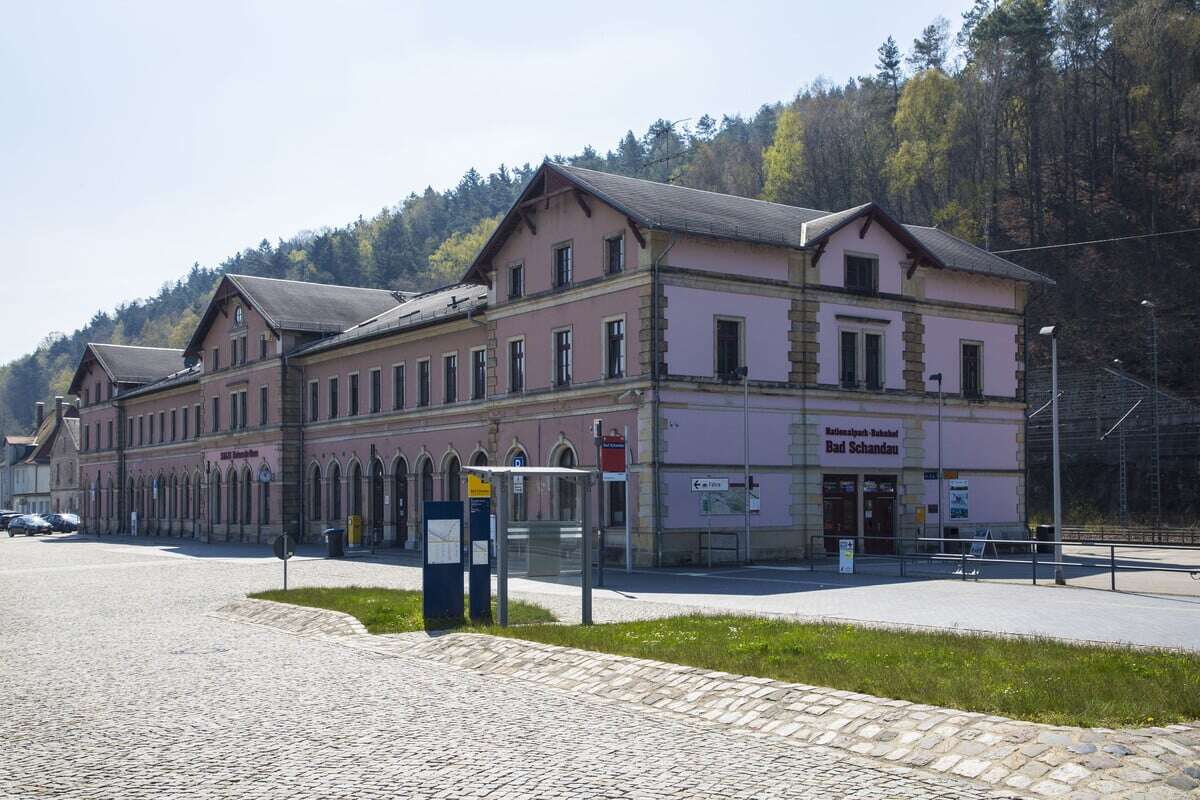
[[1052, 332], [937, 376], [743, 372]]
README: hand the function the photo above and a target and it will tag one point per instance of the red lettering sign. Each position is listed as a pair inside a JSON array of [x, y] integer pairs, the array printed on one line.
[[612, 454]]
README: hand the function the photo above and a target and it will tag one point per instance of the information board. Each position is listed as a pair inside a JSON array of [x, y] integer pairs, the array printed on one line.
[[846, 556], [959, 500], [445, 541]]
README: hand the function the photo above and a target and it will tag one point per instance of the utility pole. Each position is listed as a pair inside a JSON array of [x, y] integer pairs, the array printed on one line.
[[744, 372], [1157, 472], [1052, 332], [1123, 487]]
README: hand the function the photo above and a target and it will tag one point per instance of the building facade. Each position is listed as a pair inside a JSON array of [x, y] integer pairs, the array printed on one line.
[[708, 326]]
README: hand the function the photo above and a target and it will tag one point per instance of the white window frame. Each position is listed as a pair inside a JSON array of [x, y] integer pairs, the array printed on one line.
[[309, 416], [608, 242], [718, 318], [404, 389], [457, 364], [508, 387], [357, 412], [554, 332], [373, 371], [860, 254], [604, 347], [962, 389], [429, 400], [861, 330], [471, 366], [509, 273]]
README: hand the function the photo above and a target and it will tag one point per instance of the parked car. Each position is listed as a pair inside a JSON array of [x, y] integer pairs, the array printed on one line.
[[28, 524], [63, 523], [7, 517]]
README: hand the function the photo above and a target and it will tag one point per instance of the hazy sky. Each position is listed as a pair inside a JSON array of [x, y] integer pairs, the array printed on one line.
[[137, 138]]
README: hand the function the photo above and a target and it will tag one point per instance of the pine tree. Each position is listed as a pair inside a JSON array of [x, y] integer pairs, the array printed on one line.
[[929, 49], [888, 67]]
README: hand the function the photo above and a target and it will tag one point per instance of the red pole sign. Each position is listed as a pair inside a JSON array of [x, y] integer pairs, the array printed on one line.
[[612, 454]]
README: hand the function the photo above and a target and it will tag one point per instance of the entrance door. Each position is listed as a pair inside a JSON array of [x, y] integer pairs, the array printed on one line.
[[377, 503], [840, 495], [400, 503], [879, 514]]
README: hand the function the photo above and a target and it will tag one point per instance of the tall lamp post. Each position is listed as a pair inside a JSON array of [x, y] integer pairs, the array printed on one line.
[[743, 372], [1052, 332], [937, 376]]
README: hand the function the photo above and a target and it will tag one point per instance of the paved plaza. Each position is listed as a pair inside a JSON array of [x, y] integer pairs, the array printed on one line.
[[118, 683]]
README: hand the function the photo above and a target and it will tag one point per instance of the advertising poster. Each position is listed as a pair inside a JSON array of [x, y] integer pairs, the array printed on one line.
[[959, 504]]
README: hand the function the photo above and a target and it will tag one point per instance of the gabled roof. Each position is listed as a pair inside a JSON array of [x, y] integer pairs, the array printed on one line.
[[439, 304], [664, 206], [45, 443], [124, 363], [298, 306], [184, 376]]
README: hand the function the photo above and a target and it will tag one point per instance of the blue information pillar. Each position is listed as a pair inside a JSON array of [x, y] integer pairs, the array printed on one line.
[[442, 561], [480, 517]]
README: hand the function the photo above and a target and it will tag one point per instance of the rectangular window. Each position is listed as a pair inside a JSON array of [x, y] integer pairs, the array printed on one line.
[[199, 421], [562, 266], [352, 407], [183, 431], [263, 411], [614, 254], [262, 347], [108, 435], [614, 344], [423, 382], [141, 431], [478, 374], [242, 349], [215, 422], [174, 424], [162, 426], [216, 358], [243, 416], [87, 436], [450, 375], [849, 359], [516, 365], [97, 394], [333, 398], [729, 347], [129, 431], [398, 387], [233, 412], [376, 391], [972, 361], [516, 281], [314, 400], [873, 356], [862, 274], [562, 358], [86, 397]]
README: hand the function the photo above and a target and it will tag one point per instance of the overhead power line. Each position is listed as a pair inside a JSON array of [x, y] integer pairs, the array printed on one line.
[[1096, 241]]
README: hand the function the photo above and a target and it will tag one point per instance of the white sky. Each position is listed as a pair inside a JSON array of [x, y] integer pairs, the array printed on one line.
[[137, 138]]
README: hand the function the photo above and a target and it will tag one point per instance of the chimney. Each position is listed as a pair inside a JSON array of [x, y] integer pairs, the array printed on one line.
[[40, 412], [58, 405]]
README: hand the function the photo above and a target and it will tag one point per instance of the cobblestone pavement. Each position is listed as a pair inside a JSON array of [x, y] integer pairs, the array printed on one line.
[[118, 682], [1047, 761]]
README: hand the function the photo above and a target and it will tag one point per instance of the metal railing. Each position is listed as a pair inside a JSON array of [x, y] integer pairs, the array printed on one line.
[[1132, 534], [1022, 553]]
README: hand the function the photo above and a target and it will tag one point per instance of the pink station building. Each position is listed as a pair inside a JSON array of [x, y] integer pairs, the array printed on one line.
[[296, 404]]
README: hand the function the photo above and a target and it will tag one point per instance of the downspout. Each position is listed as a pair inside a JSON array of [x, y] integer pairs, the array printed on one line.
[[655, 403]]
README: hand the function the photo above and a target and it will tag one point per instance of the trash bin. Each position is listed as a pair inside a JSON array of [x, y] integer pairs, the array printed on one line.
[[333, 536], [1045, 533]]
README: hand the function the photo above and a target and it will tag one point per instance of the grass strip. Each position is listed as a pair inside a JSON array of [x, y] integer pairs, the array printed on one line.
[[1031, 679], [393, 610]]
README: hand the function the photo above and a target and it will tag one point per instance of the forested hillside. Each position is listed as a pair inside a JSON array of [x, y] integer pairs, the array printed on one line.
[[1022, 124]]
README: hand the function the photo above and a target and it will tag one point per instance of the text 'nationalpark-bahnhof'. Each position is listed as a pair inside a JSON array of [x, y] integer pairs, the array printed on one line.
[[295, 404]]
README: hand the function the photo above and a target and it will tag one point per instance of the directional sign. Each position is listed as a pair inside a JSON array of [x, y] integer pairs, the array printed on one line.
[[710, 484], [284, 547]]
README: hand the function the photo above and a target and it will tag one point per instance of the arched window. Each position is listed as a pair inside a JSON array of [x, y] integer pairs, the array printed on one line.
[[566, 486], [234, 498], [215, 493], [426, 480], [356, 505], [186, 499], [264, 503], [453, 479], [247, 496], [520, 502], [315, 489], [197, 489], [335, 493], [480, 459]]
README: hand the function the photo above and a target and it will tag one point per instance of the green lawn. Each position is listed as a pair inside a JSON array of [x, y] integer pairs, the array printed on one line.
[[1030, 679], [1037, 680], [392, 610]]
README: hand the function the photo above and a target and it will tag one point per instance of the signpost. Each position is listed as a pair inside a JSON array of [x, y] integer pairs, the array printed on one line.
[[707, 487], [284, 549], [710, 484], [442, 569], [846, 556], [479, 516]]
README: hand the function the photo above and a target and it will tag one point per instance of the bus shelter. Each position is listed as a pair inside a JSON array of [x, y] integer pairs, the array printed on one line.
[[540, 548]]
